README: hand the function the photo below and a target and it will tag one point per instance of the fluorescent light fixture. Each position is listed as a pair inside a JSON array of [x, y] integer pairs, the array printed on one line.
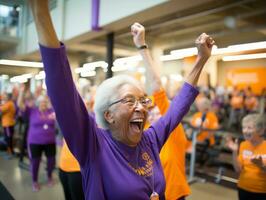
[[27, 76], [176, 77], [244, 57], [118, 68], [127, 60], [79, 70], [87, 73], [182, 53], [18, 79], [39, 76], [21, 63], [91, 66], [185, 52], [170, 57], [4, 76]]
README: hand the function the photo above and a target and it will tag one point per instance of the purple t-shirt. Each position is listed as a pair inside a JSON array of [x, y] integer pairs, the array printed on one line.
[[110, 169], [41, 126]]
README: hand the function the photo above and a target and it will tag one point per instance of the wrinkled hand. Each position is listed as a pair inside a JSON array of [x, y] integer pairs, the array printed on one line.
[[231, 144], [138, 33], [257, 160], [204, 44]]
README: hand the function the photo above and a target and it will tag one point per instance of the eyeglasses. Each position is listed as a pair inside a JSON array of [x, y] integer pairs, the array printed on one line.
[[131, 101]]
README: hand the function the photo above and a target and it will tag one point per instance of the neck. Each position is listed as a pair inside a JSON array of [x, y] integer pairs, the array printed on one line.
[[117, 137]]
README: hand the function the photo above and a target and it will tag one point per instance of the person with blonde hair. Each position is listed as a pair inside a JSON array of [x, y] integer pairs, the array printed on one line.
[[249, 159], [40, 137]]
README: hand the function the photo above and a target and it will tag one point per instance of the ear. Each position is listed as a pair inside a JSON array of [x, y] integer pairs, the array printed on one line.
[[108, 116]]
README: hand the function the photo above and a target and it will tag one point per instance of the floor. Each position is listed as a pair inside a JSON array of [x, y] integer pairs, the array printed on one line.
[[18, 182]]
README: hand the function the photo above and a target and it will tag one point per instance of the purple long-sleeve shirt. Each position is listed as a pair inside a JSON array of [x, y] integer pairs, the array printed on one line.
[[41, 126], [110, 169]]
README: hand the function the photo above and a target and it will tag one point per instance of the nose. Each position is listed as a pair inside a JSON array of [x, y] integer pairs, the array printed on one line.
[[138, 106]]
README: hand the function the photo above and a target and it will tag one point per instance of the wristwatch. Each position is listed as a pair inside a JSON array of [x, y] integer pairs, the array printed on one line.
[[144, 46]]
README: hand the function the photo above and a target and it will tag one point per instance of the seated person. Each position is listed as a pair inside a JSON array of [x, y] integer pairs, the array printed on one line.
[[204, 119]]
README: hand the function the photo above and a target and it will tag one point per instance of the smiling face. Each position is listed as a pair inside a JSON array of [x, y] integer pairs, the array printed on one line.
[[126, 122], [43, 103], [250, 131]]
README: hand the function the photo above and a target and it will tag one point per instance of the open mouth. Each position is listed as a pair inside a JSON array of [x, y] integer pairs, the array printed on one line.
[[137, 125]]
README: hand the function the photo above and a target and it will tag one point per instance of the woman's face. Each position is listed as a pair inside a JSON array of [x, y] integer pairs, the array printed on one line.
[[43, 104], [250, 131], [125, 119]]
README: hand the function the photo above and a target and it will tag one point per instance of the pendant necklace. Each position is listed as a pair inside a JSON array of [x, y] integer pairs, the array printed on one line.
[[154, 195]]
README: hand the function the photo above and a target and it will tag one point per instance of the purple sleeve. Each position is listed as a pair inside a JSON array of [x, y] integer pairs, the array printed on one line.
[[177, 110], [79, 129]]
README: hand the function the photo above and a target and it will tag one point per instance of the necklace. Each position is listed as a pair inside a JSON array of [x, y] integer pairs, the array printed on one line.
[[145, 172]]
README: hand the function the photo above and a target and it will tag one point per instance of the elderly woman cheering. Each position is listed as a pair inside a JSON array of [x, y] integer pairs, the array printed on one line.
[[118, 160], [249, 159]]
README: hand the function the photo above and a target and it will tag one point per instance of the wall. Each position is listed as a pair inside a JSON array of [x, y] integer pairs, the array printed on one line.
[[224, 67], [73, 17]]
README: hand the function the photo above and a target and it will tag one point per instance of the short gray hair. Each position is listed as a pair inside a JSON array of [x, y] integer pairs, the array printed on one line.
[[107, 92], [257, 119]]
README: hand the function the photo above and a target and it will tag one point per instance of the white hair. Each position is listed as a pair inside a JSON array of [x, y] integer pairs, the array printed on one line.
[[107, 92], [257, 119], [40, 99]]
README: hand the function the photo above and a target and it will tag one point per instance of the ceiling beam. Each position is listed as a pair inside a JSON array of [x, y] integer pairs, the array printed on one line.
[[159, 11], [211, 25], [99, 49]]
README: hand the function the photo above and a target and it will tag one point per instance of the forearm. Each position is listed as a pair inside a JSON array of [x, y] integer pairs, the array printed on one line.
[[236, 163], [193, 76], [152, 70], [20, 102], [43, 22]]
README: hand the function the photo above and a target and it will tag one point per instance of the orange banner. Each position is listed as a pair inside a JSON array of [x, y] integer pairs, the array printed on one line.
[[247, 77]]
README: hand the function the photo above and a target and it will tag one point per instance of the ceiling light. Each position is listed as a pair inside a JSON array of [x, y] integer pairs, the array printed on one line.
[[21, 63], [244, 57], [91, 66], [87, 73], [127, 60]]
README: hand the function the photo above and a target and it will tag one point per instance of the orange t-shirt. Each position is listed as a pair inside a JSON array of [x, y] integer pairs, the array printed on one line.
[[251, 103], [67, 161], [237, 102], [172, 155], [252, 178], [210, 122], [8, 110]]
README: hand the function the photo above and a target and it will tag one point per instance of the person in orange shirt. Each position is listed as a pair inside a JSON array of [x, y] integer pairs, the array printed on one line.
[[172, 154], [205, 119], [251, 103], [250, 158], [237, 109], [8, 110], [69, 175]]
